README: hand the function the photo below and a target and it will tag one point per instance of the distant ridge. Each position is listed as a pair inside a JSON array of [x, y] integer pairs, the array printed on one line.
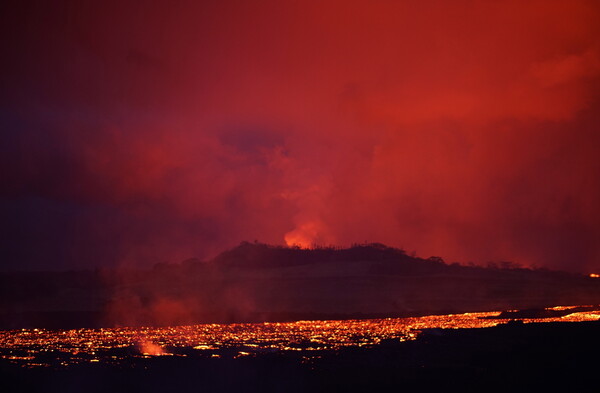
[[256, 282], [263, 255], [389, 260]]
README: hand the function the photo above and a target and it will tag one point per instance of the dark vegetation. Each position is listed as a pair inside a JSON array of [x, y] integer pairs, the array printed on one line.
[[258, 282]]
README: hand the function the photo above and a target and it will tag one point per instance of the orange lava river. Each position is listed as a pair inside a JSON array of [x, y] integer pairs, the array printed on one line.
[[44, 348]]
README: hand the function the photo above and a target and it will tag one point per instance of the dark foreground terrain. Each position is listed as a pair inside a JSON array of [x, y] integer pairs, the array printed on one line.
[[510, 357]]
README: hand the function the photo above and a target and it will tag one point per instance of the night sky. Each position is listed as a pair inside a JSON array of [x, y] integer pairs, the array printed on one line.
[[137, 132]]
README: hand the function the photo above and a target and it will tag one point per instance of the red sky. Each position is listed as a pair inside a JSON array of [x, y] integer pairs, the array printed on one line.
[[134, 133]]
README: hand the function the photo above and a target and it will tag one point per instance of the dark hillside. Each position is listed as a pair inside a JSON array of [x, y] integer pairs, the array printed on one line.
[[259, 282]]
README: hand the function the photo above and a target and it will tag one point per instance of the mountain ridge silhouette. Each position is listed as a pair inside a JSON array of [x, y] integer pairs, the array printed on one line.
[[255, 282]]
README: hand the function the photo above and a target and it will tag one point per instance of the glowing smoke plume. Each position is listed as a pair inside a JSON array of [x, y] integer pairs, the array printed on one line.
[[466, 130]]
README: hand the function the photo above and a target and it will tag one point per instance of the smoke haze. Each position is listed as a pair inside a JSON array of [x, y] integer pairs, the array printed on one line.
[[134, 134]]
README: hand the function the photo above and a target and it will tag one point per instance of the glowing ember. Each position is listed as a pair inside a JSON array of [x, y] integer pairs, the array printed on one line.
[[595, 275]]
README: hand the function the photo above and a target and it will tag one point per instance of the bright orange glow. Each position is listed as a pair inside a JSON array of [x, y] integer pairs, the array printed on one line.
[[595, 275], [34, 347], [150, 348], [304, 236]]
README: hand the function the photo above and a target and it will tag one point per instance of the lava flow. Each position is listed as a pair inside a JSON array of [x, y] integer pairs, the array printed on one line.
[[59, 348]]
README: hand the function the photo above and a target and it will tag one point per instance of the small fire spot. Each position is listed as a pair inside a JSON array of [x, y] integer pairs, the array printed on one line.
[[150, 348]]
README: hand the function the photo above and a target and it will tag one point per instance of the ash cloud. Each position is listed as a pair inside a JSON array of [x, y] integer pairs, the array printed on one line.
[[457, 130]]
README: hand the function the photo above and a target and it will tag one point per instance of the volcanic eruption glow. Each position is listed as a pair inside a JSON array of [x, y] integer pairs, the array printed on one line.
[[461, 129], [151, 349], [304, 236], [60, 348]]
